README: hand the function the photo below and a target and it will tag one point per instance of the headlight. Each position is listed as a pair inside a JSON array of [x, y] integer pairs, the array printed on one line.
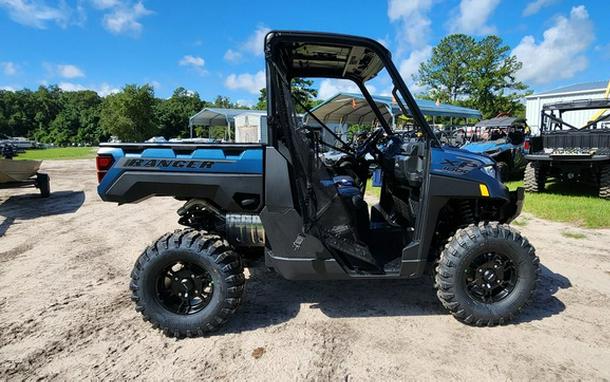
[[490, 170]]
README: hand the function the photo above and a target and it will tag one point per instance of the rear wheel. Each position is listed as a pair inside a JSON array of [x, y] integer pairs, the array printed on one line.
[[534, 178], [187, 283], [486, 274], [604, 182]]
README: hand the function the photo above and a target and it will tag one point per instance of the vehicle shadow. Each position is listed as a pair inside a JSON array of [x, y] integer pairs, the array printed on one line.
[[544, 303], [570, 189], [31, 206], [270, 300]]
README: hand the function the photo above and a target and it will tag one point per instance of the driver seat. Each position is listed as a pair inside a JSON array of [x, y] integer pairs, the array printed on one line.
[[356, 206]]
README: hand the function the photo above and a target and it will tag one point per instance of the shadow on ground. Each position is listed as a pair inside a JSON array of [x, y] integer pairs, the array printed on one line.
[[570, 189], [32, 206], [270, 300]]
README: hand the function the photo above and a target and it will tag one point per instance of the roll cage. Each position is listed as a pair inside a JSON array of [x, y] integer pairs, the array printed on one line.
[[326, 55], [552, 114]]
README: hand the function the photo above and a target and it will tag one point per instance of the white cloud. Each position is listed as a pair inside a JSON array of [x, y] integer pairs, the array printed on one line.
[[155, 84], [253, 46], [245, 102], [195, 62], [413, 20], [124, 18], [252, 83], [560, 53], [71, 87], [36, 13], [472, 17], [8, 88], [189, 60], [256, 42], [8, 68], [105, 4], [69, 71], [103, 90], [410, 65], [329, 87], [232, 55], [535, 6]]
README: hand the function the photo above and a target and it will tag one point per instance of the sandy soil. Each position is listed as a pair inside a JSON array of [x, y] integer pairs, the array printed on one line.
[[65, 311]]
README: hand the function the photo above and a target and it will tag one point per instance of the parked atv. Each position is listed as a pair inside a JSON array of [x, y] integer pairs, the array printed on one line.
[[441, 211], [571, 153], [505, 139]]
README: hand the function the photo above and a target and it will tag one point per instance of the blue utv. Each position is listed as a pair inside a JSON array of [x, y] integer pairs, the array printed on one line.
[[441, 211], [505, 140]]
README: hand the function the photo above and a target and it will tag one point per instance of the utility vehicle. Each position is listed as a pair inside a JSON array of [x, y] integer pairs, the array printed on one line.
[[441, 211], [570, 153], [505, 139]]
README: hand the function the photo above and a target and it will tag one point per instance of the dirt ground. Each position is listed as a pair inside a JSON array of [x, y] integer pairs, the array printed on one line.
[[65, 311]]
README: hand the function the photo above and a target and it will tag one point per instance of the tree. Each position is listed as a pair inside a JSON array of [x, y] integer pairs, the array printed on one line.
[[493, 84], [129, 114], [479, 74], [173, 114], [447, 71], [301, 89]]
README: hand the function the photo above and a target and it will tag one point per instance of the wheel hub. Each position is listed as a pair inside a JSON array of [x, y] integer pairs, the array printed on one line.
[[184, 288], [490, 277]]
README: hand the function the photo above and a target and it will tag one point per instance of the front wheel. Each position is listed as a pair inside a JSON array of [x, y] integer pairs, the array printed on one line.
[[187, 283], [486, 274]]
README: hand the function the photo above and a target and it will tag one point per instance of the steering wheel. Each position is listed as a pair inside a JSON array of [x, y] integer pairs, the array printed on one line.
[[369, 144]]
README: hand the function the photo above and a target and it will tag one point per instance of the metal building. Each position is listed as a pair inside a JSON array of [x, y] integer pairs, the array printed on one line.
[[588, 90]]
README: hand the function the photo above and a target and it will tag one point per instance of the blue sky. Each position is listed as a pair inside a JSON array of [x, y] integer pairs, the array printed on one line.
[[216, 47]]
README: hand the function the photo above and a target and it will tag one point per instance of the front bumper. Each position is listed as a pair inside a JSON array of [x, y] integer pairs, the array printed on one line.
[[512, 209]]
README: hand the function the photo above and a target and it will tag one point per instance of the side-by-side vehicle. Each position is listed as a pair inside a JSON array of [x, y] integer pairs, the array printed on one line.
[[441, 211]]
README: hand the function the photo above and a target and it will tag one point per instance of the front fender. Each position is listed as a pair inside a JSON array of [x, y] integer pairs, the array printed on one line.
[[512, 209]]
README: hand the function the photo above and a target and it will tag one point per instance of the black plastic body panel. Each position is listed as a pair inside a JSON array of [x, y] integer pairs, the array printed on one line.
[[221, 189]]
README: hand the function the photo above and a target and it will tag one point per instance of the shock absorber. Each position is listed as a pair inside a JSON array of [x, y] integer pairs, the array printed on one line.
[[465, 211]]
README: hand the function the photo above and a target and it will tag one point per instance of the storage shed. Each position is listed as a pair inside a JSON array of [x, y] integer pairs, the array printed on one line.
[[251, 127]]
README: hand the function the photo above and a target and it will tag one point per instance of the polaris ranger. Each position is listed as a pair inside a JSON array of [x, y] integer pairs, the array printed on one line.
[[442, 211], [505, 140], [570, 153]]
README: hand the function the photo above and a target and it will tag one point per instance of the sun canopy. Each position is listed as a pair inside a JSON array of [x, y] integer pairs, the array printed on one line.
[[353, 108], [499, 122], [211, 116]]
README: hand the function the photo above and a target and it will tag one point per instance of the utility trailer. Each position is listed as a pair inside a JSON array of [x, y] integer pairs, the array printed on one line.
[[570, 153]]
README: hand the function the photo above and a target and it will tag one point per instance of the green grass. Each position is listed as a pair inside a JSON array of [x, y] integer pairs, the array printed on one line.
[[569, 203], [58, 153]]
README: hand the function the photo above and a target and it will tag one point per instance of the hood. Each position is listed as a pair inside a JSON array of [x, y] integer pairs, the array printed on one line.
[[462, 153], [457, 162], [485, 146]]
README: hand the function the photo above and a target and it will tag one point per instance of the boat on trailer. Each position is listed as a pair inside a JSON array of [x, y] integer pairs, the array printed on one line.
[[22, 173]]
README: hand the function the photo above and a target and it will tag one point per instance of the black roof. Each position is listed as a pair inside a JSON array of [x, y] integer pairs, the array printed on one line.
[[499, 122], [583, 104], [314, 54]]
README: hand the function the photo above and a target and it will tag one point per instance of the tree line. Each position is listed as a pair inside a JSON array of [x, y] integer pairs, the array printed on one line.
[[461, 70], [51, 115]]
